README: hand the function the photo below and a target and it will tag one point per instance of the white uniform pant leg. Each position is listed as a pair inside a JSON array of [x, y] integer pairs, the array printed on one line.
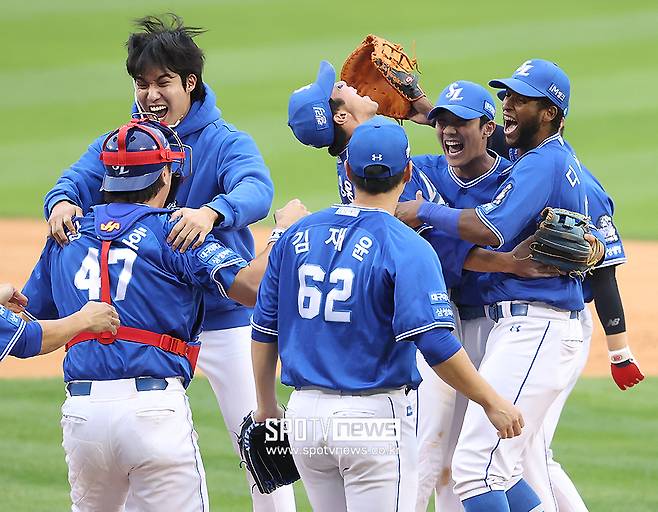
[[435, 402], [529, 360], [225, 358], [117, 440], [356, 475], [474, 334], [540, 470]]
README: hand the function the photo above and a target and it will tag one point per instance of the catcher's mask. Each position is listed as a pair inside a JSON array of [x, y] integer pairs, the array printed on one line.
[[135, 154]]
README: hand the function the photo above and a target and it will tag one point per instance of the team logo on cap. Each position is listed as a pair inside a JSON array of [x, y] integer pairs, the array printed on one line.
[[524, 69], [454, 92], [488, 107], [110, 226], [377, 157], [320, 117], [555, 91]]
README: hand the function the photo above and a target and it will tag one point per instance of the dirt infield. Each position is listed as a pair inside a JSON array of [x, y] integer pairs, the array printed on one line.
[[22, 240]]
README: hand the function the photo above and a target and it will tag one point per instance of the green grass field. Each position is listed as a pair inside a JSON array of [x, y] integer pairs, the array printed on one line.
[[64, 79], [607, 441]]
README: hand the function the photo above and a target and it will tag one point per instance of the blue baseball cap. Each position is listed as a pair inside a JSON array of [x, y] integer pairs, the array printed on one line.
[[465, 99], [309, 113], [379, 142], [538, 78]]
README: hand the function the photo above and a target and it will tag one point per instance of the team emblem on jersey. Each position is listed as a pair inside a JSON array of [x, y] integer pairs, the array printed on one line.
[[438, 297], [500, 197], [607, 228], [110, 225]]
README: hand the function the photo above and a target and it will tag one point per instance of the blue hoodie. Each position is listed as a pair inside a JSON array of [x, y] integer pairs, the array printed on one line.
[[227, 173]]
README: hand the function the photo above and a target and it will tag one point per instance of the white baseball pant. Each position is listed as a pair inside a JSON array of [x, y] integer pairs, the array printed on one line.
[[355, 475], [118, 439], [554, 487], [529, 360]]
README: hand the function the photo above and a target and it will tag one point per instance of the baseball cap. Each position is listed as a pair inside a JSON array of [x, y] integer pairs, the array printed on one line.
[[538, 78], [381, 143], [465, 99], [309, 113]]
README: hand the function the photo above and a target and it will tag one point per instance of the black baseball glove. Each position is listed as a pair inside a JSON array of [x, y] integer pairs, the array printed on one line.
[[269, 461], [560, 242]]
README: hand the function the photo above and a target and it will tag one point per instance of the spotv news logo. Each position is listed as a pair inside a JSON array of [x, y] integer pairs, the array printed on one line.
[[334, 429]]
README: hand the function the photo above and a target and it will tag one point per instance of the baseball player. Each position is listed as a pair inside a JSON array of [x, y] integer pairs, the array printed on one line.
[[367, 291], [532, 350], [126, 420], [228, 189], [27, 339], [467, 174], [542, 472]]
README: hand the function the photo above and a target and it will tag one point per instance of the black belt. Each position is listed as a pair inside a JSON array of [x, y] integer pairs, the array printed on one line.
[[83, 388], [472, 312], [496, 311]]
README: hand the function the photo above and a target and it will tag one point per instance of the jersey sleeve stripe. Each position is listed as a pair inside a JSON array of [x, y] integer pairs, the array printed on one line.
[[13, 340], [424, 328], [262, 329], [220, 287], [493, 228], [611, 262]]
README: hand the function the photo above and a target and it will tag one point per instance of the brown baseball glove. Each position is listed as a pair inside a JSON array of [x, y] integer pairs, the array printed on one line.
[[380, 69]]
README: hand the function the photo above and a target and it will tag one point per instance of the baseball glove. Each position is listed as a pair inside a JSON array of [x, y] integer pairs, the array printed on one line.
[[380, 69], [269, 462], [560, 242]]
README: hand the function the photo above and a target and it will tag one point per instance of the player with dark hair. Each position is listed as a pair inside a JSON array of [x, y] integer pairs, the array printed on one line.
[[27, 339], [229, 187], [367, 292], [532, 350], [126, 420]]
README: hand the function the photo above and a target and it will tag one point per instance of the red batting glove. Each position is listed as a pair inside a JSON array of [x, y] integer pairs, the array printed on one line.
[[625, 372]]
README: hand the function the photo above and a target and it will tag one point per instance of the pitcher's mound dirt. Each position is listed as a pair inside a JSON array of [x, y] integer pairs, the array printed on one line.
[[21, 242]]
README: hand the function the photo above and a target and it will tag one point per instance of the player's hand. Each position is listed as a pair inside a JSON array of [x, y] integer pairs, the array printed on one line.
[[522, 264], [12, 299], [272, 411], [407, 211], [100, 317], [505, 417], [290, 213], [192, 227], [419, 110], [597, 249], [625, 371], [61, 221]]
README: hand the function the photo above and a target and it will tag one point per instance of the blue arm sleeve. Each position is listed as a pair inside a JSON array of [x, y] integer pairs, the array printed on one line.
[[80, 183], [211, 266], [437, 345], [38, 288], [29, 343], [420, 296], [518, 201], [264, 323], [242, 173]]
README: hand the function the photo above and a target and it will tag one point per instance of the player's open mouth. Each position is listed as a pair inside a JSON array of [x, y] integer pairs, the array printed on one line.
[[159, 110], [453, 147], [509, 124]]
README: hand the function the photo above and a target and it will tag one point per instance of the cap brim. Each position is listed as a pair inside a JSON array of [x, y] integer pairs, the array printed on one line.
[[458, 110], [118, 184], [517, 86], [326, 78]]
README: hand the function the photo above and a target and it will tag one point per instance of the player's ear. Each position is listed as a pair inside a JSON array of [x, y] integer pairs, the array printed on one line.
[[348, 170], [407, 173], [341, 117], [549, 114], [190, 82], [488, 129]]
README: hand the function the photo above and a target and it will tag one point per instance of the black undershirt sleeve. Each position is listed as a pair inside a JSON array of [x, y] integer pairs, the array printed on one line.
[[607, 300]]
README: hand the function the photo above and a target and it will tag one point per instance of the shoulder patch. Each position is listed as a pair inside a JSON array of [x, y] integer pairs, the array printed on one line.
[[10, 316], [607, 228], [214, 254], [438, 297]]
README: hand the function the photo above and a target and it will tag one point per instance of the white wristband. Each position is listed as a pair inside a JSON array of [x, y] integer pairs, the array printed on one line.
[[621, 355], [275, 235]]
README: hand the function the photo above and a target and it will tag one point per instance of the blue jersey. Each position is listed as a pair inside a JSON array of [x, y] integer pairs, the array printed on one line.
[[547, 175], [225, 171], [601, 209], [17, 337], [152, 287], [418, 182], [344, 290], [460, 193]]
